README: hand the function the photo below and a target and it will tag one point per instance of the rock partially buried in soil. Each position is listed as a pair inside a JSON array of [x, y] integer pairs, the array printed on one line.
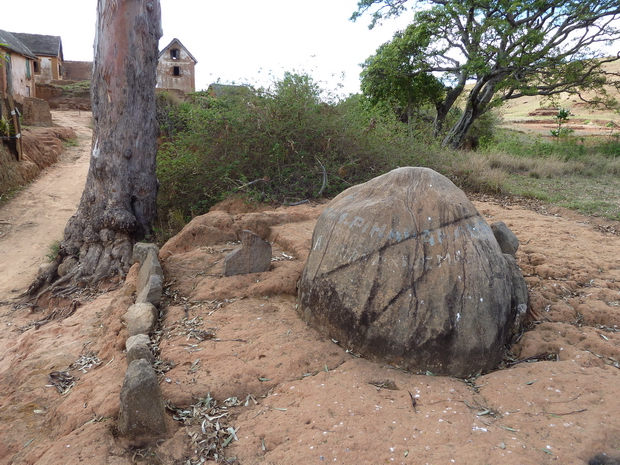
[[150, 276], [404, 270], [254, 256], [138, 348], [506, 239], [141, 250], [142, 415], [140, 318], [152, 290]]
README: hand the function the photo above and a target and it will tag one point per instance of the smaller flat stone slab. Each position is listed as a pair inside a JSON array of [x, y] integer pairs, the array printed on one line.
[[506, 239], [254, 256]]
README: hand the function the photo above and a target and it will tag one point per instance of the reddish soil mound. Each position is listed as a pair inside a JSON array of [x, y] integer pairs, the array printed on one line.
[[41, 148], [301, 398]]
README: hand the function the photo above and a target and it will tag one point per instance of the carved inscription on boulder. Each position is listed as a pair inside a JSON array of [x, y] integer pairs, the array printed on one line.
[[404, 270]]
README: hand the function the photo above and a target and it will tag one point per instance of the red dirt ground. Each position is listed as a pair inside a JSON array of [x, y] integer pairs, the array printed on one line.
[[308, 400]]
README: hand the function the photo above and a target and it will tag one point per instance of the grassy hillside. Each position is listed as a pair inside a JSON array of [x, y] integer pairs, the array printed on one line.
[[521, 113]]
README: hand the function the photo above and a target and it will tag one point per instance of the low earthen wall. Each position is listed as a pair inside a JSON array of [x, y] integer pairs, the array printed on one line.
[[36, 112]]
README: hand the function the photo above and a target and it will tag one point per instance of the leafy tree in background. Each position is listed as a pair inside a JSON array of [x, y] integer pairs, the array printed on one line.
[[506, 49], [389, 77]]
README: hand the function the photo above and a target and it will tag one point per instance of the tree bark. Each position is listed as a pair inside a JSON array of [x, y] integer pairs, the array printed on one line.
[[477, 104], [444, 107], [118, 205], [458, 132]]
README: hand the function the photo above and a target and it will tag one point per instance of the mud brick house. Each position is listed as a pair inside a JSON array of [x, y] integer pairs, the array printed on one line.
[[29, 60], [20, 71], [48, 50], [176, 68], [17, 73]]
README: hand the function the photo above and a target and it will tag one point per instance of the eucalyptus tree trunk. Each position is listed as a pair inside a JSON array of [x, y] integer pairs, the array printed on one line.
[[118, 205]]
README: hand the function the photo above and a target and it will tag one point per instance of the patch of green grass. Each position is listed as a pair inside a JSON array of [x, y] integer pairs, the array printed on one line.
[[598, 196], [77, 89], [71, 143], [576, 173], [53, 252], [593, 207]]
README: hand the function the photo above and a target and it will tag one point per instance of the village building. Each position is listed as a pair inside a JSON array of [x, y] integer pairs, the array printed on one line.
[[32, 66], [48, 50], [176, 68], [17, 70]]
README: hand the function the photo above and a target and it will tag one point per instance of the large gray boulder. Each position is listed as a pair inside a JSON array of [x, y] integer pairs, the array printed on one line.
[[404, 270]]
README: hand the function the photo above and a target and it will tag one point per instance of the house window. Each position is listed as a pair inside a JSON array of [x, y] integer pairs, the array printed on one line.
[[36, 67], [174, 54], [176, 70]]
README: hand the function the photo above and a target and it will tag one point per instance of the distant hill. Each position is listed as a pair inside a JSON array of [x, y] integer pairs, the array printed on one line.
[[529, 113]]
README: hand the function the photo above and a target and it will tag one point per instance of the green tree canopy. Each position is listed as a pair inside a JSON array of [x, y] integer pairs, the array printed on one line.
[[504, 49], [391, 77]]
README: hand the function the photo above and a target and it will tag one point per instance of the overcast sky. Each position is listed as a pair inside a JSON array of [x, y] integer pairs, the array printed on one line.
[[241, 41]]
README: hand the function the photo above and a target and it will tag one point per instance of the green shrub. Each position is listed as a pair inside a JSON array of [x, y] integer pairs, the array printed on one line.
[[5, 127], [277, 145], [284, 144], [53, 251]]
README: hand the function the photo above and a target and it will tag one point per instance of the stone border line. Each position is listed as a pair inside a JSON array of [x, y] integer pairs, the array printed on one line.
[[142, 409]]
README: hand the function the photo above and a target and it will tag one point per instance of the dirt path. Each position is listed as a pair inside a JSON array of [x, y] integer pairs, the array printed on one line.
[[32, 221]]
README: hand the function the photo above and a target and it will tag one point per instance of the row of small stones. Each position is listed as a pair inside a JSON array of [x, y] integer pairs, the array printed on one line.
[[142, 408]]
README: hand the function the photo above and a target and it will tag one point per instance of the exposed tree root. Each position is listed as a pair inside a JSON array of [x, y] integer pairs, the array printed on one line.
[[81, 276], [118, 205]]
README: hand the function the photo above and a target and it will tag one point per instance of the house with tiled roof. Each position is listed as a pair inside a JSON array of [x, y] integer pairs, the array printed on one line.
[[17, 74], [48, 50]]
